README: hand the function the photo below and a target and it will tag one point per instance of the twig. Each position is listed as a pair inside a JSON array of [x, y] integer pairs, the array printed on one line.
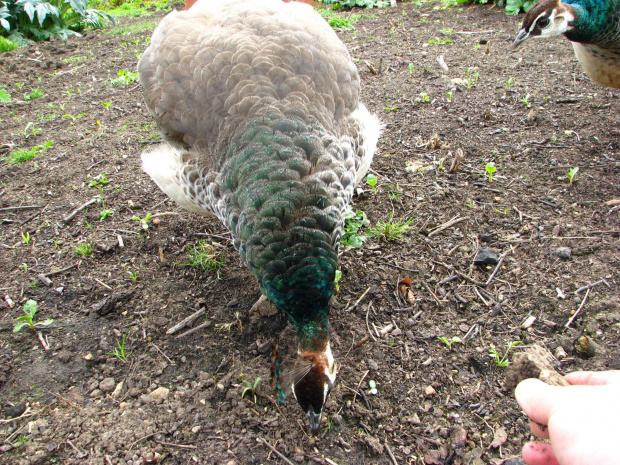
[[428, 288], [158, 215], [206, 324], [164, 355], [67, 219], [80, 453], [499, 263], [29, 219], [42, 341], [590, 286], [144, 437], [359, 385], [25, 207], [185, 322], [583, 302], [103, 284], [26, 414], [69, 71], [54, 273], [367, 325], [217, 236], [459, 274], [399, 267], [180, 446], [66, 400], [274, 450], [359, 300], [446, 225], [389, 451]]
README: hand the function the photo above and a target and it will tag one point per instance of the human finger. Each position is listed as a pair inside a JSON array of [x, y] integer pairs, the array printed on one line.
[[537, 399], [539, 453], [541, 431], [593, 378]]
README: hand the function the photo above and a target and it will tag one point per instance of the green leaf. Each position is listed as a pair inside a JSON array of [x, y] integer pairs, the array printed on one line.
[[45, 323], [30, 308], [19, 326]]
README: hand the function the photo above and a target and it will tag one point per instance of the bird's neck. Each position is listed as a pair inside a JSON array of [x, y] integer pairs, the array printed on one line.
[[592, 21], [313, 336]]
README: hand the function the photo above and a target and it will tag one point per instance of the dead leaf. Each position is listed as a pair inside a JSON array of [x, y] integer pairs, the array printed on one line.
[[499, 437], [404, 286]]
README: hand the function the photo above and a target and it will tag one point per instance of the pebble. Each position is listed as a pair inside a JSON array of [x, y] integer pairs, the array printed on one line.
[[563, 253], [107, 385], [486, 256], [160, 393], [373, 365], [96, 393]]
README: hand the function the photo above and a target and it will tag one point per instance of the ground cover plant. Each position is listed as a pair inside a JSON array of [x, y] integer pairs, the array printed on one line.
[[149, 360]]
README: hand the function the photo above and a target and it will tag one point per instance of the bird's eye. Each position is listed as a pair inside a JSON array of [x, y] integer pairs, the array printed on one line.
[[543, 23]]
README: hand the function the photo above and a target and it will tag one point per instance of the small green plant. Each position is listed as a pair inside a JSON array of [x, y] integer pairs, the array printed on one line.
[[133, 275], [335, 21], [411, 68], [251, 387], [471, 77], [26, 238], [74, 118], [353, 222], [22, 155], [371, 180], [502, 361], [423, 97], [85, 249], [337, 278], [372, 387], [36, 93], [391, 230], [508, 83], [490, 167], [144, 222], [525, 101], [7, 45], [204, 255], [105, 214], [449, 342], [106, 105], [449, 96], [438, 41], [99, 181], [30, 310], [5, 97], [125, 78], [394, 108], [571, 174], [31, 130], [120, 351]]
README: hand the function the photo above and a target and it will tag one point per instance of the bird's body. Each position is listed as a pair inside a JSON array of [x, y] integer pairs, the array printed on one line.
[[258, 102], [593, 27]]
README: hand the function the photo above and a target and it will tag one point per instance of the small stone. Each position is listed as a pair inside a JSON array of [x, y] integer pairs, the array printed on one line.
[[337, 420], [15, 410], [560, 353], [96, 393], [160, 393], [88, 357], [458, 437], [563, 253], [373, 365], [486, 256], [232, 303], [107, 385], [196, 429], [486, 238], [430, 391]]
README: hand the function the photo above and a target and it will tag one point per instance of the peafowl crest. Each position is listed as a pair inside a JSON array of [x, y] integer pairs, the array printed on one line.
[[258, 104]]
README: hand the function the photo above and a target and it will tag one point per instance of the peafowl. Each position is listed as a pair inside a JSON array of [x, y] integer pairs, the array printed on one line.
[[591, 25], [258, 104]]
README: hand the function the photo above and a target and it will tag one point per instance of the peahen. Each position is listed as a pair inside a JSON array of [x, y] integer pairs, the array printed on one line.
[[258, 104], [593, 26]]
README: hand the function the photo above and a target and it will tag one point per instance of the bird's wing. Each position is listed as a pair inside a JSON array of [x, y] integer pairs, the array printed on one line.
[[210, 68]]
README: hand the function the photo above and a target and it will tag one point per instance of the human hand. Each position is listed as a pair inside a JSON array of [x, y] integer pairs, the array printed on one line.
[[582, 421]]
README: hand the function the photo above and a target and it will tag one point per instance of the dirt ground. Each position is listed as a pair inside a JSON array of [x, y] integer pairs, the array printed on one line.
[[178, 400]]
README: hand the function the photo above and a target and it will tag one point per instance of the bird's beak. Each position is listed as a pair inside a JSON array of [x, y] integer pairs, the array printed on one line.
[[315, 421], [522, 37]]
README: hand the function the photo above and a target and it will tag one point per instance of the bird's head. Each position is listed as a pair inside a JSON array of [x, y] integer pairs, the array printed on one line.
[[311, 381], [548, 18]]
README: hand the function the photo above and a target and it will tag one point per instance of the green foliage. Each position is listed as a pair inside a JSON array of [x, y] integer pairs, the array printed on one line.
[[7, 45], [120, 351], [337, 278], [353, 222], [143, 221], [85, 249], [449, 342], [335, 21], [36, 93], [98, 181], [490, 167], [5, 97], [514, 6], [371, 180], [125, 78], [28, 20], [26, 238], [250, 387], [571, 174], [499, 360], [204, 255], [391, 230], [22, 155], [30, 310], [359, 3]]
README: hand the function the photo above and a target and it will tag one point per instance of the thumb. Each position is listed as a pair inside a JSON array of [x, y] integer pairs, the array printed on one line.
[[537, 399]]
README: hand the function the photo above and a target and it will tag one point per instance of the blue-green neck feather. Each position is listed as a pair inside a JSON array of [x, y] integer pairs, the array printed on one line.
[[595, 21]]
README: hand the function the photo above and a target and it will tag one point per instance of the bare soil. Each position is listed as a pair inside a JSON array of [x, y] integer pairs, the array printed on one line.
[[532, 112]]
